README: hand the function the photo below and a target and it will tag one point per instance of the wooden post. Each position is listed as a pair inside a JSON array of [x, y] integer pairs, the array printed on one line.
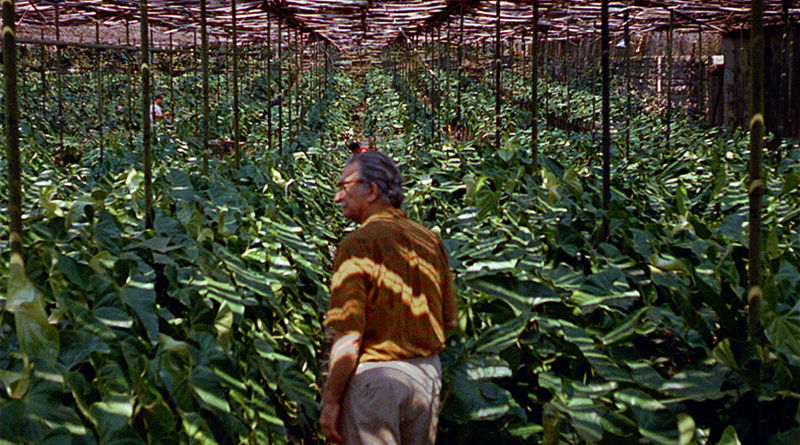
[[269, 82], [564, 70], [237, 152], [497, 66], [548, 57], [98, 61], [668, 89], [145, 73], [784, 129], [280, 87], [757, 184], [42, 64], [535, 89], [459, 73], [626, 18], [604, 61], [11, 128], [701, 68], [131, 86], [171, 72], [204, 49], [299, 60], [591, 82], [58, 82], [288, 95]]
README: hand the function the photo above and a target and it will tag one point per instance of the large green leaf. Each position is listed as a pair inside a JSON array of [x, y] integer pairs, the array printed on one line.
[[38, 339]]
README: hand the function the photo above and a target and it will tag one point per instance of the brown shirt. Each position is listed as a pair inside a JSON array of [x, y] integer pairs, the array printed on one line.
[[392, 284]]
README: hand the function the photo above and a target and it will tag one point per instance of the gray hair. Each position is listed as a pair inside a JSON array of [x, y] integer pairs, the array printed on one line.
[[379, 169]]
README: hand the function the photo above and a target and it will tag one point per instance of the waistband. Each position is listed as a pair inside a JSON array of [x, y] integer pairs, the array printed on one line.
[[430, 365]]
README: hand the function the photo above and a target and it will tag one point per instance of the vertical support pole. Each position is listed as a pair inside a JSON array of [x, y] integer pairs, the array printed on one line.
[[99, 63], [497, 65], [324, 93], [460, 64], [11, 128], [669, 76], [269, 82], [131, 84], [430, 86], [197, 99], [281, 93], [701, 68], [171, 72], [59, 68], [204, 49], [535, 88], [299, 61], [784, 129], [606, 74], [146, 118], [626, 18], [289, 98], [42, 64], [589, 54], [564, 71], [757, 184], [548, 58], [153, 84], [237, 153]]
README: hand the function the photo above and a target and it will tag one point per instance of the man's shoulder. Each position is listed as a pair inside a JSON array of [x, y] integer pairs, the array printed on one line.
[[386, 228]]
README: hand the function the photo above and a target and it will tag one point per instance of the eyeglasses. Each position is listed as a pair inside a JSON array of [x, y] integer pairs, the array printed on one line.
[[343, 185]]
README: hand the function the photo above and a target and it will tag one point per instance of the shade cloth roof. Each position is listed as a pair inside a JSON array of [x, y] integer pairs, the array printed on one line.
[[361, 28]]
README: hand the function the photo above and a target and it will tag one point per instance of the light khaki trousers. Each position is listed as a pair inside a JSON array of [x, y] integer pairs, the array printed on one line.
[[393, 402]]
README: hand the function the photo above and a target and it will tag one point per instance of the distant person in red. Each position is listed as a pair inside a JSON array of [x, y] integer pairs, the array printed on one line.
[[356, 148]]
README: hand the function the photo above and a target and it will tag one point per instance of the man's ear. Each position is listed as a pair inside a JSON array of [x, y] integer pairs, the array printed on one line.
[[374, 192]]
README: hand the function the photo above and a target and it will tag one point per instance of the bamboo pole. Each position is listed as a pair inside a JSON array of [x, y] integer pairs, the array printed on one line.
[[460, 64], [130, 88], [280, 86], [299, 90], [548, 57], [669, 77], [145, 73], [757, 183], [171, 72], [535, 88], [701, 67], [11, 128], [99, 63], [269, 82], [237, 152], [289, 97], [497, 62], [204, 58], [59, 82], [43, 54], [591, 82], [606, 74], [430, 83], [565, 65], [628, 94], [786, 62]]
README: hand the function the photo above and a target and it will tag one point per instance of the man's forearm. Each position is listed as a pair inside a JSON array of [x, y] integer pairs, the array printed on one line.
[[344, 359]]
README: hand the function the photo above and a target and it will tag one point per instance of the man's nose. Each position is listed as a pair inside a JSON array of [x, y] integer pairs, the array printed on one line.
[[338, 196]]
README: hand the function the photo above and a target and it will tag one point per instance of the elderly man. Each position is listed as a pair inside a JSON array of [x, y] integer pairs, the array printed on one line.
[[392, 298]]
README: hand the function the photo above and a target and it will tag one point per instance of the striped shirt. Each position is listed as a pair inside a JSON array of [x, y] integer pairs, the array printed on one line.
[[392, 285]]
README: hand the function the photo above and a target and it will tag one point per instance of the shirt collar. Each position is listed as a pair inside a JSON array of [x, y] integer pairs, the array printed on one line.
[[384, 214]]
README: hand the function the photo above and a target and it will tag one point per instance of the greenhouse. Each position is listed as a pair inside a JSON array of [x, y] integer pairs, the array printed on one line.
[[614, 185]]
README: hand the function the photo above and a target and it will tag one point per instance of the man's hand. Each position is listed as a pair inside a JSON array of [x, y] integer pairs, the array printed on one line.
[[344, 359], [329, 421]]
